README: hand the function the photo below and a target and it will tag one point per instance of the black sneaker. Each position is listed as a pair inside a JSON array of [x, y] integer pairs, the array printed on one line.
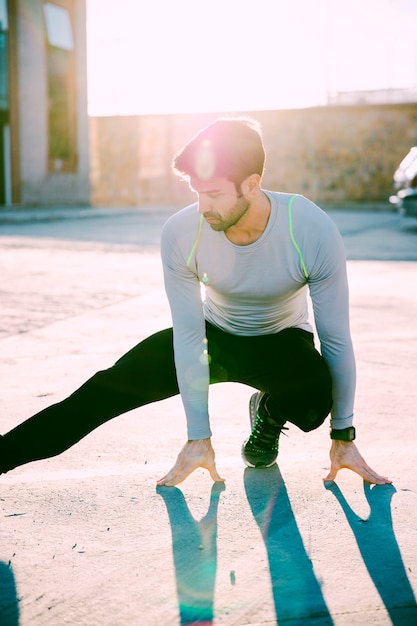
[[261, 447]]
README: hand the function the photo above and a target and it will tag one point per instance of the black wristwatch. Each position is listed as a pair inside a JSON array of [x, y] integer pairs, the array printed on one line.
[[346, 434]]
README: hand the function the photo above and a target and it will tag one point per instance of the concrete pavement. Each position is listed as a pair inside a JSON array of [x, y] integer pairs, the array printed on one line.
[[88, 539]]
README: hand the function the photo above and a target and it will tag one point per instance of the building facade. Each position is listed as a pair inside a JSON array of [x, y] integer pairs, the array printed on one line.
[[332, 154], [44, 143]]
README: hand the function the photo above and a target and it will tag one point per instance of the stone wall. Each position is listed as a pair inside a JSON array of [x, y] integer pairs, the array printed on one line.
[[330, 154]]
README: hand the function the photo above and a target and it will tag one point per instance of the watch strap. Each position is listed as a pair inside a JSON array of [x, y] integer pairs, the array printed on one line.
[[345, 434]]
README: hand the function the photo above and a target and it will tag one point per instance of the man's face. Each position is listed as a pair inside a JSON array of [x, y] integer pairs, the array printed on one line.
[[220, 203]]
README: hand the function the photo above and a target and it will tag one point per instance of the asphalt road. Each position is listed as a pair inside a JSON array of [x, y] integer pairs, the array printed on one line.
[[368, 235], [377, 235], [57, 287], [88, 540]]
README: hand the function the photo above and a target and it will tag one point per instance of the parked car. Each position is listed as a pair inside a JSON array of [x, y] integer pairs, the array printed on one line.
[[405, 185]]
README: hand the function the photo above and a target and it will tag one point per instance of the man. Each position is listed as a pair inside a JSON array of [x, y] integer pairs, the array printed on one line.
[[257, 254]]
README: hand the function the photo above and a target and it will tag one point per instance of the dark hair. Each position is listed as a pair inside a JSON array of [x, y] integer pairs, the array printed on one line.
[[229, 148]]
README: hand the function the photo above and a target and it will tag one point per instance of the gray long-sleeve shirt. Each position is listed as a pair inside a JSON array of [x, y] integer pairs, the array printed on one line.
[[257, 289]]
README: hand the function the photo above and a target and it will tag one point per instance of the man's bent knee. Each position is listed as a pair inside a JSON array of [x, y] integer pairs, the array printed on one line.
[[310, 420]]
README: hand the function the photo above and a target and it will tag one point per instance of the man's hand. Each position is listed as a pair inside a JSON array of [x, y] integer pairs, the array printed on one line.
[[346, 454], [198, 453]]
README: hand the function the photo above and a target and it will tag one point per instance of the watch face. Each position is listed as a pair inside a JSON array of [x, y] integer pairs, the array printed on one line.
[[351, 434]]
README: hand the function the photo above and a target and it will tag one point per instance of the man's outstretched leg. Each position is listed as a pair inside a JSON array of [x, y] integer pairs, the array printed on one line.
[[145, 374]]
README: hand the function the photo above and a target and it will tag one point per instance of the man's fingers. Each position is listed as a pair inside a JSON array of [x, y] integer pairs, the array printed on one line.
[[364, 471], [175, 476], [166, 480], [210, 466], [171, 482], [368, 474], [331, 475], [215, 475], [346, 455], [371, 477], [197, 453]]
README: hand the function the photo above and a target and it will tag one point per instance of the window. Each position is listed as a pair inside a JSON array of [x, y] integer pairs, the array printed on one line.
[[61, 88]]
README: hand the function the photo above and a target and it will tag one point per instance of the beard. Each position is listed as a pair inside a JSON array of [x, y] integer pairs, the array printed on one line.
[[221, 223]]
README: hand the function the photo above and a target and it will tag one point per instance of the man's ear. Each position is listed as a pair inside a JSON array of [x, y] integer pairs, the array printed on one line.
[[250, 185]]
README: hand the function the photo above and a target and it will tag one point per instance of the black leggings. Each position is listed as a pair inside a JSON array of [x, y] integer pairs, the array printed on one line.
[[286, 365]]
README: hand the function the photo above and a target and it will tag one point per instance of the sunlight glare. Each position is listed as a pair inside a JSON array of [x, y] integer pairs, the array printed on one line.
[[188, 56]]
